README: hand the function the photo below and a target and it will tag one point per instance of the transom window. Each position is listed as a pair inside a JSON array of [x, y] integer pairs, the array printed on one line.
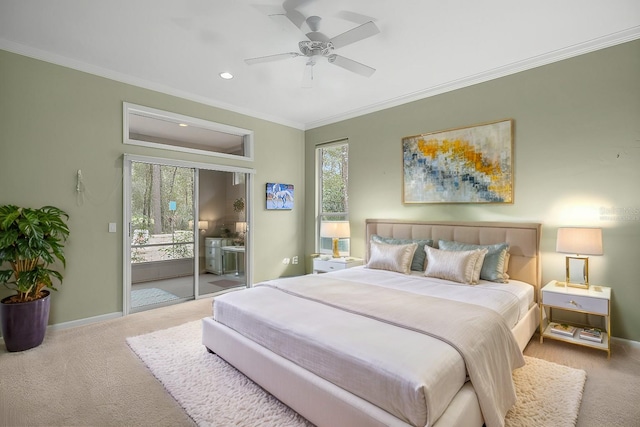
[[149, 127]]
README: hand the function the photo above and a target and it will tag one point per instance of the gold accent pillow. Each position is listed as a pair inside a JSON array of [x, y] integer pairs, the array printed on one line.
[[398, 258], [457, 266]]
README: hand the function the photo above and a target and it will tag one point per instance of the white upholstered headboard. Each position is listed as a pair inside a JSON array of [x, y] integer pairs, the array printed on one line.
[[523, 239]]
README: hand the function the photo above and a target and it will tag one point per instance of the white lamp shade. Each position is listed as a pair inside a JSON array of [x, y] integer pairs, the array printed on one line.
[[203, 225], [580, 241], [335, 229]]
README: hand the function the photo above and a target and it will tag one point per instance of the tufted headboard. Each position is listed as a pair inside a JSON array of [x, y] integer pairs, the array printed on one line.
[[523, 239]]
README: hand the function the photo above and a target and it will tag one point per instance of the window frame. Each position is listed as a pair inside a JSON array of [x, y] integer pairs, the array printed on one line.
[[129, 109], [324, 244]]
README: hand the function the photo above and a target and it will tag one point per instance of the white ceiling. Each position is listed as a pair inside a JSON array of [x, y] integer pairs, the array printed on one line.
[[425, 47]]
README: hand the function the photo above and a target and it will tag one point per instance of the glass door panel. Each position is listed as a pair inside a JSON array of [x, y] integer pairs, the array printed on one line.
[[162, 235], [222, 205]]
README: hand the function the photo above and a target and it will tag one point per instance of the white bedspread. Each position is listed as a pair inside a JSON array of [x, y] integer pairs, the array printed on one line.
[[391, 367], [511, 300]]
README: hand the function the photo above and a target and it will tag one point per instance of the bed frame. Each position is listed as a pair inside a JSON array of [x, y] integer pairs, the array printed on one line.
[[325, 404]]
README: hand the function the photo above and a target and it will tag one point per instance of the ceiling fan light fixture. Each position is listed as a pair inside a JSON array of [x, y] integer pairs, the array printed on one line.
[[226, 75]]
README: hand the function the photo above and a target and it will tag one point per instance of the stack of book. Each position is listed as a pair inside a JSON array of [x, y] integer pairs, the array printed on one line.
[[591, 334], [563, 329]]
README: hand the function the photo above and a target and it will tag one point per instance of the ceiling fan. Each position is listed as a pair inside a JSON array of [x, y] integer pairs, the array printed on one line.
[[319, 45]]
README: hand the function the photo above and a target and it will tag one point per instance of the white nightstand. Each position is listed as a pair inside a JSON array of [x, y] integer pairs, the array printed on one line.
[[595, 301], [332, 264]]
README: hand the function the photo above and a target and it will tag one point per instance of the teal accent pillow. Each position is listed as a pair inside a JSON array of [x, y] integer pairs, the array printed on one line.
[[417, 263], [494, 266]]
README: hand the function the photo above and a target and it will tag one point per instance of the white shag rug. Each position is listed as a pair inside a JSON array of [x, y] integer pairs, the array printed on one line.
[[214, 393]]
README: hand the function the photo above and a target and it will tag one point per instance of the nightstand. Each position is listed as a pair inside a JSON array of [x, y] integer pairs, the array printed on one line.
[[333, 264], [592, 302]]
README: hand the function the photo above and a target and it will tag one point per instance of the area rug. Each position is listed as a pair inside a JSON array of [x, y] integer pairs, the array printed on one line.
[[141, 297], [215, 394]]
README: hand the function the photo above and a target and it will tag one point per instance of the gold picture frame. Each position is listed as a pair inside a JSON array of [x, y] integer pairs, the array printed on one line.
[[464, 165]]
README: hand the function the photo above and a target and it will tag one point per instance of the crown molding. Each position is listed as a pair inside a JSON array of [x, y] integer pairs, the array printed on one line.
[[513, 68]]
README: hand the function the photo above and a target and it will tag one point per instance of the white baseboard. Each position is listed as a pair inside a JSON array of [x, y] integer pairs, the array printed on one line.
[[80, 322], [85, 321], [623, 341]]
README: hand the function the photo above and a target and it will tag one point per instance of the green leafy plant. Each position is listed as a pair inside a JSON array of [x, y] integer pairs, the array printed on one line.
[[30, 241], [183, 248]]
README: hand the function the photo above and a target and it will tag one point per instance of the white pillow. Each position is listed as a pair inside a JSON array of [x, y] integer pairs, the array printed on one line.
[[457, 266], [391, 257]]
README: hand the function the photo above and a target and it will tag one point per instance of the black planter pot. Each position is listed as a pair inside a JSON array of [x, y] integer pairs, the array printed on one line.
[[25, 323]]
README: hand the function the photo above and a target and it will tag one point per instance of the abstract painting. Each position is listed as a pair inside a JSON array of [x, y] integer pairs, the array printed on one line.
[[465, 165], [279, 196]]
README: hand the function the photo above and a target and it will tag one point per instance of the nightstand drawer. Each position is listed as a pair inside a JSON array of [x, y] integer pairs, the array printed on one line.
[[576, 302], [321, 265], [335, 264]]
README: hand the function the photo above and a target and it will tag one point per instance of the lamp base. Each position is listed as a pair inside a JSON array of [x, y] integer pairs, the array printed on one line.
[[336, 252], [573, 285]]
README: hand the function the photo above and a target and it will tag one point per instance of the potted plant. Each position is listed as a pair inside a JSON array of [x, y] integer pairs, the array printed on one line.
[[30, 241]]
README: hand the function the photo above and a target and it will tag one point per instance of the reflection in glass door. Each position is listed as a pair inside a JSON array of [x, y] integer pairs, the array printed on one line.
[[162, 235]]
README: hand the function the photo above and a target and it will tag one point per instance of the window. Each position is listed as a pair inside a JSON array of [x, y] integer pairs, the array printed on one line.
[[333, 178], [148, 127]]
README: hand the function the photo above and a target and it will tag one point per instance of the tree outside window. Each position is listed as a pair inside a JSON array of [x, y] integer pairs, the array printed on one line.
[[333, 183]]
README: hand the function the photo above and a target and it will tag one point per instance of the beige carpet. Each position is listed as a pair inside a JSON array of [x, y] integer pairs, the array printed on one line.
[[215, 394], [88, 376]]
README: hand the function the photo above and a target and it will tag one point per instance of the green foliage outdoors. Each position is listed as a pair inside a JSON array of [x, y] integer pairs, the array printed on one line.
[[335, 172], [153, 188], [179, 251], [30, 241]]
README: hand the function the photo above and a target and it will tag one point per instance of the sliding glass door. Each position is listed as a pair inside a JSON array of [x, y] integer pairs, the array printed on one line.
[[187, 231]]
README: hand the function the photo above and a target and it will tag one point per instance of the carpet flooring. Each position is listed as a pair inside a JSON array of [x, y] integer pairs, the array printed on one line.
[[215, 394]]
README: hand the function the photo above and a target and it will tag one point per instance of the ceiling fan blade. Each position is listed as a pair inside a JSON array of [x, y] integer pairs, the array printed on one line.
[[351, 65], [356, 18], [292, 14], [307, 77], [355, 34], [271, 58], [294, 4], [317, 36]]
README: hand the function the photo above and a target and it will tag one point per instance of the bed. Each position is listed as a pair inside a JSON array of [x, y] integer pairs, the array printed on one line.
[[323, 346]]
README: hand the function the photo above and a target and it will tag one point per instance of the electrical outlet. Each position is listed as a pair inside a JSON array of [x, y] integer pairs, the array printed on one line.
[[294, 260], [112, 227], [285, 261]]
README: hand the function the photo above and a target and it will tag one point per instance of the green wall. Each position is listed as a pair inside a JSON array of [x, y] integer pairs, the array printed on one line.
[[577, 152], [55, 120]]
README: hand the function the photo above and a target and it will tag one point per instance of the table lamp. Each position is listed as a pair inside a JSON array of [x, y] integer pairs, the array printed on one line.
[[335, 230], [579, 241]]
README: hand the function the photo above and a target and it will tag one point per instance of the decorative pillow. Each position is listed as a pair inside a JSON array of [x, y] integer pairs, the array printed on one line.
[[417, 263], [391, 257], [457, 266], [506, 265], [495, 263]]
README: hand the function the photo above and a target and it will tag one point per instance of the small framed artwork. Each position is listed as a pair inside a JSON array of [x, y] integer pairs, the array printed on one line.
[[466, 165], [279, 196]]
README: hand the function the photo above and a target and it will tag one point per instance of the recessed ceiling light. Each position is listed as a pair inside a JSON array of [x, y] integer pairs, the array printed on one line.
[[226, 75], [183, 125]]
